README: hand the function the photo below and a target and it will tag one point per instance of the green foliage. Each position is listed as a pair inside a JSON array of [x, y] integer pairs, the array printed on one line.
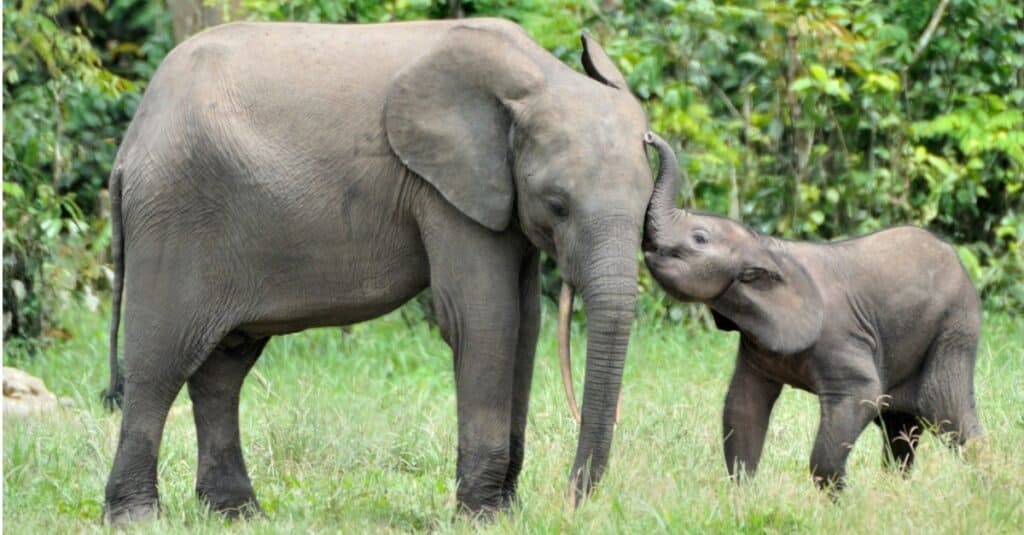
[[827, 119], [345, 11], [810, 119], [70, 88]]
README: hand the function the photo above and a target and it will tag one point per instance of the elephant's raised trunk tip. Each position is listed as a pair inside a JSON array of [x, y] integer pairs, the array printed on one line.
[[666, 186]]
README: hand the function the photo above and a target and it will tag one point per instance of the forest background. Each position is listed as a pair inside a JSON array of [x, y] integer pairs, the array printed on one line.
[[805, 119]]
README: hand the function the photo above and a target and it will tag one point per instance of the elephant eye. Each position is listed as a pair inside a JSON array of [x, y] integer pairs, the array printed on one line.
[[753, 274], [558, 207], [700, 237]]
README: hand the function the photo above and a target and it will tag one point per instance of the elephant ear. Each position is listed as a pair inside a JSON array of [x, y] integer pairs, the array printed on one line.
[[598, 65], [775, 301], [449, 114]]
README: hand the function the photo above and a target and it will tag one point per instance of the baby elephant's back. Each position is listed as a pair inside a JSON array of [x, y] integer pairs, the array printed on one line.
[[915, 286]]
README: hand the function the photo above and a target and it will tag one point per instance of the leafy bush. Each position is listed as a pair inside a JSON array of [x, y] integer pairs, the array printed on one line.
[[70, 87], [809, 119], [827, 119]]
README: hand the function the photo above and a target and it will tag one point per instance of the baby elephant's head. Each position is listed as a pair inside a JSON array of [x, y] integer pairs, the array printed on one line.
[[751, 282], [697, 257], [694, 256]]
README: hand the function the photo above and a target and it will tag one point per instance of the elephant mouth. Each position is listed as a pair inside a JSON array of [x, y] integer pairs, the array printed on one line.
[[656, 265], [669, 271], [725, 289], [647, 245]]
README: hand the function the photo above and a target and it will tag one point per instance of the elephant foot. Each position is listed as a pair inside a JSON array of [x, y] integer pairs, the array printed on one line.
[[244, 511], [232, 506], [482, 491], [482, 515], [509, 500], [123, 515], [831, 486], [486, 510], [487, 514]]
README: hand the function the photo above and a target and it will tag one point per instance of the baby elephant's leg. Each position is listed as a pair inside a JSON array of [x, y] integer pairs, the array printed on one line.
[[946, 394], [748, 407], [901, 432], [843, 418]]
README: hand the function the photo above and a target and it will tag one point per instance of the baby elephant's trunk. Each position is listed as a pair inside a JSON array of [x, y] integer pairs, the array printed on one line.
[[666, 187]]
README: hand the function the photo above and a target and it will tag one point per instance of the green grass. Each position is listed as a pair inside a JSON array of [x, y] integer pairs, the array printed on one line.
[[356, 434]]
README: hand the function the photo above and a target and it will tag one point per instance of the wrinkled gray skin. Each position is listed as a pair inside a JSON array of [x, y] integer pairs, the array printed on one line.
[[882, 328], [278, 177]]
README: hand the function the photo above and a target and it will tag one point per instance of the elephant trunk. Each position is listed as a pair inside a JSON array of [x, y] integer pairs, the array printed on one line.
[[565, 299], [666, 188], [609, 296]]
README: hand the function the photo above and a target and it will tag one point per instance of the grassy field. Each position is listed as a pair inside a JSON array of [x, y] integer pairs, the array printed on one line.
[[356, 434]]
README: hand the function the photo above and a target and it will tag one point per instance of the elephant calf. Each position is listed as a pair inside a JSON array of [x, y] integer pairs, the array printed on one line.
[[882, 328]]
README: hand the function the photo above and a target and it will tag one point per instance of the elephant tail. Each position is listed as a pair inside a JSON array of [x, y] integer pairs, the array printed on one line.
[[113, 396]]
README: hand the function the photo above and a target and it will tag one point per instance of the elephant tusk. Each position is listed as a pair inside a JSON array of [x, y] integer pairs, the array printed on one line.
[[564, 354], [564, 319]]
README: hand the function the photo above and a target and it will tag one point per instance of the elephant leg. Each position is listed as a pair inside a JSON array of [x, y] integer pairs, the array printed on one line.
[[157, 364], [222, 481], [474, 276], [901, 432], [484, 343], [131, 492], [526, 349], [748, 408], [945, 397], [843, 418]]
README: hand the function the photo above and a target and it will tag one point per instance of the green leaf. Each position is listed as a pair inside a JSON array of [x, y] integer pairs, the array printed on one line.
[[752, 59], [801, 85], [13, 191], [51, 227], [818, 72], [970, 262]]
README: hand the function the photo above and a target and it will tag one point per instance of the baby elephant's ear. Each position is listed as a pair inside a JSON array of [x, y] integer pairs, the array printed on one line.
[[775, 301]]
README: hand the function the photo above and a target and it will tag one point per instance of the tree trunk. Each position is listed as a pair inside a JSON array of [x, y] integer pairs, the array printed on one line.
[[189, 17], [455, 9]]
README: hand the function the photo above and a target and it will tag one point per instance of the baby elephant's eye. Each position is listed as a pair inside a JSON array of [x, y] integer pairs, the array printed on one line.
[[700, 238]]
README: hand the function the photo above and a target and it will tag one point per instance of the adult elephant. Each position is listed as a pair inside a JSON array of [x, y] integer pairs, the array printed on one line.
[[278, 177]]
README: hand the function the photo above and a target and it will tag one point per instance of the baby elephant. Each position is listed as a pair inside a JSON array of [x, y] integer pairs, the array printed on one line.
[[882, 328]]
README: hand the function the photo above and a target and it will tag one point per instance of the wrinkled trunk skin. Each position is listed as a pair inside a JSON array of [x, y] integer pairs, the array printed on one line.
[[666, 188], [609, 296]]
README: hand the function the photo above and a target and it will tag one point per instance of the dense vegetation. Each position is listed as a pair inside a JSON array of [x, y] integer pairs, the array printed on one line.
[[806, 119]]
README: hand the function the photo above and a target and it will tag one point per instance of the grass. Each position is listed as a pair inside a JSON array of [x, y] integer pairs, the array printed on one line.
[[356, 434]]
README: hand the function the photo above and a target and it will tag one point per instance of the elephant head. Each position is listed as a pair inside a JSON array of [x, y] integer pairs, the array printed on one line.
[[751, 282], [511, 136]]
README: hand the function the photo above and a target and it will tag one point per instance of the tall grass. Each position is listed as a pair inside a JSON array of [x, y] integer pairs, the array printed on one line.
[[350, 433]]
